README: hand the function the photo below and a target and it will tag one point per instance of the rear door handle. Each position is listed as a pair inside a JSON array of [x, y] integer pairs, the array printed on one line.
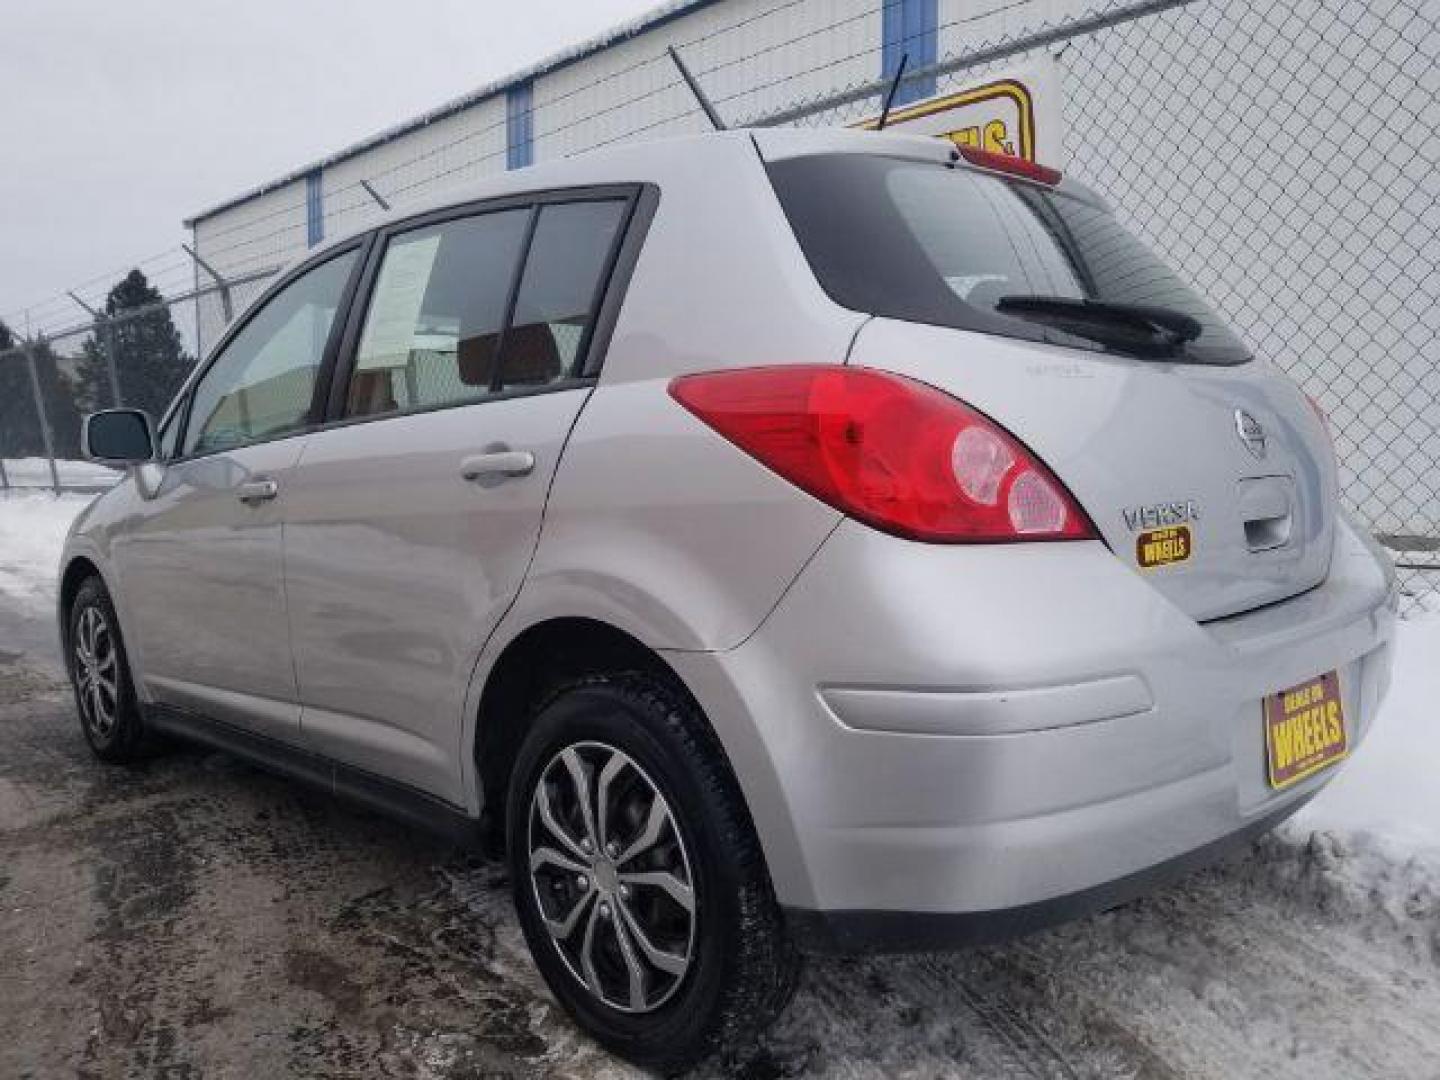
[[497, 464], [254, 492]]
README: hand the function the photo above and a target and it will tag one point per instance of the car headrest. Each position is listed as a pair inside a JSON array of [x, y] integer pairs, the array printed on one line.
[[531, 357]]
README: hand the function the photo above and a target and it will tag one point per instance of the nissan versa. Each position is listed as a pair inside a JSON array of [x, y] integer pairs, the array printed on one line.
[[776, 541]]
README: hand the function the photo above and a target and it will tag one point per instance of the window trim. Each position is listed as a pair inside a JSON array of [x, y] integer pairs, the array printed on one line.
[[172, 417], [512, 295], [185, 398], [641, 201]]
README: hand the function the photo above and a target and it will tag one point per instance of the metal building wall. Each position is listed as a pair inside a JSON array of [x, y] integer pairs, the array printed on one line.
[[757, 56], [415, 165], [255, 235]]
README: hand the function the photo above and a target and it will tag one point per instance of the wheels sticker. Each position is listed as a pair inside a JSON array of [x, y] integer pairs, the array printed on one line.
[[1163, 547]]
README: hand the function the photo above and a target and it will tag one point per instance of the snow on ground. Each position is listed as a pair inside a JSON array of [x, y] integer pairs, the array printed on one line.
[[1392, 788], [32, 530], [34, 472]]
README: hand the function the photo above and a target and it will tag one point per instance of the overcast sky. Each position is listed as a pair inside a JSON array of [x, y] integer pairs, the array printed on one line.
[[119, 120]]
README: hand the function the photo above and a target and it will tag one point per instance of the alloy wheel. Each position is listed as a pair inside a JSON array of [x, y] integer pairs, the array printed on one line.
[[612, 877], [97, 677]]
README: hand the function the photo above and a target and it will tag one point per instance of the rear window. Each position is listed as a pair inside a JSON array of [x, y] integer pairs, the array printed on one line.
[[931, 244]]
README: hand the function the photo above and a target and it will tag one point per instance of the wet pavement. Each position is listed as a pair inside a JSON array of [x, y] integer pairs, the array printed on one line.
[[191, 916], [194, 917]]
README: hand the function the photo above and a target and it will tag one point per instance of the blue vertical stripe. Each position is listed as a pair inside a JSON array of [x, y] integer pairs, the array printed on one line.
[[519, 132], [314, 210], [910, 27]]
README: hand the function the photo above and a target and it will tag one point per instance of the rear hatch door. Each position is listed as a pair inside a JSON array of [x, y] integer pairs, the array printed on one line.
[[1214, 483], [1204, 469]]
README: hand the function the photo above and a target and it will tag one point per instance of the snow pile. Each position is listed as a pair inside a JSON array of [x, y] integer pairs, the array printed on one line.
[[1391, 790], [32, 531]]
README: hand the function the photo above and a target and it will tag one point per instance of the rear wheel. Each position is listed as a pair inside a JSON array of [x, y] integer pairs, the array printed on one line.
[[100, 675], [638, 878]]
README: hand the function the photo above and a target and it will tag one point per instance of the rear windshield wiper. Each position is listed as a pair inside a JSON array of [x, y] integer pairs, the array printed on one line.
[[1102, 321]]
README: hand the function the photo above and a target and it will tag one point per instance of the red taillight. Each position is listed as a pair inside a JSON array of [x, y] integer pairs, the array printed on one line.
[[1007, 163], [894, 453]]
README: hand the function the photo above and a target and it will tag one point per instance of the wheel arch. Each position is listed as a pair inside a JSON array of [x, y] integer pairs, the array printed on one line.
[[536, 661], [78, 569]]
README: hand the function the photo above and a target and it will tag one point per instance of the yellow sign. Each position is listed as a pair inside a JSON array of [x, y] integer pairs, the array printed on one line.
[[1012, 132], [1015, 112], [1161, 547]]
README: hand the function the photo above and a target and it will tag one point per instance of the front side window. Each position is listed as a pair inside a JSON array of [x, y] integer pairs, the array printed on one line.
[[166, 442], [263, 383]]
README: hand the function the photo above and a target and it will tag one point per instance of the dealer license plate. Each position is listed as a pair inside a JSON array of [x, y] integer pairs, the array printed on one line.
[[1304, 730]]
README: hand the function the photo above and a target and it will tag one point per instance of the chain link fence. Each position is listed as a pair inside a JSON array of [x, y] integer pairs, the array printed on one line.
[[1283, 155], [135, 356]]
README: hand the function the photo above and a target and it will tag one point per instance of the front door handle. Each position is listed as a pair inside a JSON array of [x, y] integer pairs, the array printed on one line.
[[497, 465], [254, 492]]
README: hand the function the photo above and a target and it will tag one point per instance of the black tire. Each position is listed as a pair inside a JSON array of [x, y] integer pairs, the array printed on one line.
[[742, 970], [119, 735]]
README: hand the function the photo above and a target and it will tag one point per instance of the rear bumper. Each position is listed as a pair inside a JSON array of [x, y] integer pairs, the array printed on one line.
[[848, 932], [1002, 737]]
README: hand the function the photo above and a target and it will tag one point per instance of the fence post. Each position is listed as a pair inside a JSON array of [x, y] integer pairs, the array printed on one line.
[[39, 397], [112, 368], [223, 285], [4, 476], [103, 339]]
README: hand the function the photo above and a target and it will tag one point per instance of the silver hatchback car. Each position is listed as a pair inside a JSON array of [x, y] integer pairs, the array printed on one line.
[[775, 541]]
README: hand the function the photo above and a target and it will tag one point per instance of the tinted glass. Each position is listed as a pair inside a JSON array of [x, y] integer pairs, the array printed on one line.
[[167, 441], [931, 244], [433, 328], [564, 276], [262, 384]]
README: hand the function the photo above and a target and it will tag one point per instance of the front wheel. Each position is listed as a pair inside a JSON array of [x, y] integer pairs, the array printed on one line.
[[638, 877], [100, 674]]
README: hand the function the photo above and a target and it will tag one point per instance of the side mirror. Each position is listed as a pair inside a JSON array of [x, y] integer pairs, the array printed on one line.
[[118, 437]]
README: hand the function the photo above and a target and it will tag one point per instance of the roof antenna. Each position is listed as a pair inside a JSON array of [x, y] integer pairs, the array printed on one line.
[[697, 91], [890, 94]]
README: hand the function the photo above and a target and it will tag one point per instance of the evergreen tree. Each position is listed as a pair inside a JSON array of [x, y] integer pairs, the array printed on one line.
[[149, 355], [57, 391], [20, 431], [17, 413]]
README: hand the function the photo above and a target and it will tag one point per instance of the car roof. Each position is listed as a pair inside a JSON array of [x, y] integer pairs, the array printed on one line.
[[655, 159]]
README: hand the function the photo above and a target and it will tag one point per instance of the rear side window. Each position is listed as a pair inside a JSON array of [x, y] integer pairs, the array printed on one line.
[[946, 246], [432, 333], [449, 323], [564, 278]]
